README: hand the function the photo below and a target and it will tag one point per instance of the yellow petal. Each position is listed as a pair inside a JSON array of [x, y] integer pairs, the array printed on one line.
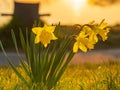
[[103, 25], [45, 44], [54, 37], [37, 39], [82, 47], [93, 38], [75, 47], [103, 34], [49, 28], [36, 30], [90, 45]]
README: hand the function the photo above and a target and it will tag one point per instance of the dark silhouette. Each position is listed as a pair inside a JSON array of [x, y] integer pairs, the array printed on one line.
[[24, 16]]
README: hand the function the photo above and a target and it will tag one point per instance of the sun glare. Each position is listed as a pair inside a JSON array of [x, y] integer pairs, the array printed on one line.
[[77, 5]]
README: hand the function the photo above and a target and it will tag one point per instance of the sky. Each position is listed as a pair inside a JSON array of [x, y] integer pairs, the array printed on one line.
[[67, 11]]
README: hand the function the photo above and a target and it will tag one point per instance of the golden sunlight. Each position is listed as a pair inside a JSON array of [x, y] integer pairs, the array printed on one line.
[[77, 5], [27, 1]]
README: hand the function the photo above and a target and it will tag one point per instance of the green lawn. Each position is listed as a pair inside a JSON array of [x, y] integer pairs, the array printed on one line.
[[77, 77]]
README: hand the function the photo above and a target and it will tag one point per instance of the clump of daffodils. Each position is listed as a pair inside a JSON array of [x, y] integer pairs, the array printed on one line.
[[85, 40], [47, 57], [88, 36]]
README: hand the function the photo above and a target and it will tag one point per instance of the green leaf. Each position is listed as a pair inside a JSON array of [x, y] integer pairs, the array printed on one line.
[[58, 61], [69, 58], [13, 67], [25, 68]]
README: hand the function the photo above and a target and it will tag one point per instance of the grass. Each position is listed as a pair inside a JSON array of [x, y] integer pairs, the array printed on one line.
[[104, 76]]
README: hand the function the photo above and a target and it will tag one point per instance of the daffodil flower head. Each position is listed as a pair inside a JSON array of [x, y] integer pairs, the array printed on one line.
[[91, 34], [93, 30], [103, 30], [83, 43], [88, 36], [44, 34]]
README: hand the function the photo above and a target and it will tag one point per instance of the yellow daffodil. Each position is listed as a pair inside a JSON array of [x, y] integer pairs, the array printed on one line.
[[102, 30], [83, 43], [103, 33], [96, 29], [91, 34], [44, 34]]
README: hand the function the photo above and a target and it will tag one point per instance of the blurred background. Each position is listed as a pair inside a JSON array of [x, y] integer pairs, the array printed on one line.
[[67, 12]]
